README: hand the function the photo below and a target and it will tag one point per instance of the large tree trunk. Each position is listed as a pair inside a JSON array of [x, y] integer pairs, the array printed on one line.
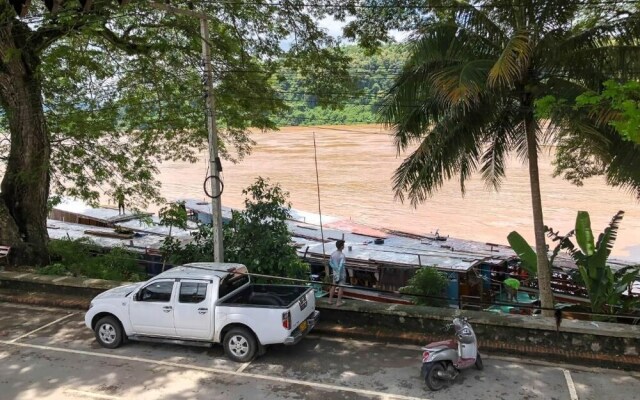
[[25, 186], [544, 271]]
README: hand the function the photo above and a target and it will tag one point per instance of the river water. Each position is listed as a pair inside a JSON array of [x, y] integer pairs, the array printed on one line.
[[355, 168]]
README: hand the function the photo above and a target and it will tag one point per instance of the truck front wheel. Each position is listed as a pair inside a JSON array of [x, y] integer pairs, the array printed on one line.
[[109, 332], [240, 345]]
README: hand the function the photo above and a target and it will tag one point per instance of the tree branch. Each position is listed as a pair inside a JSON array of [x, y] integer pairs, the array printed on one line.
[[128, 46], [46, 35]]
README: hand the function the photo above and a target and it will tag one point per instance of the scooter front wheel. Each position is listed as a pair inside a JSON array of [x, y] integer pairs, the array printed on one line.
[[479, 365], [432, 376]]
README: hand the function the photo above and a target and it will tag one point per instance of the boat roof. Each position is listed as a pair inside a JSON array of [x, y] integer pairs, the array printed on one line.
[[312, 239], [102, 214], [204, 207], [202, 270]]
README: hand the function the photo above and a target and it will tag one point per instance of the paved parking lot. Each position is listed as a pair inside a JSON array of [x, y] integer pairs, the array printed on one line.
[[50, 354]]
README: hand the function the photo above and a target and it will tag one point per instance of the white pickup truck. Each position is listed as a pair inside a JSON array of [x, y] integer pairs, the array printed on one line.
[[202, 304]]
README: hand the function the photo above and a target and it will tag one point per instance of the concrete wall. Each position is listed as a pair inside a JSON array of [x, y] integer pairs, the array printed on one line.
[[603, 343]]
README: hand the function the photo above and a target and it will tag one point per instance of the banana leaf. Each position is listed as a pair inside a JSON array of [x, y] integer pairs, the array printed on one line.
[[584, 234], [524, 251]]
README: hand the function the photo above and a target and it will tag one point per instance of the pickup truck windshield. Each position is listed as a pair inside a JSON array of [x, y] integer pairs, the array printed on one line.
[[231, 282]]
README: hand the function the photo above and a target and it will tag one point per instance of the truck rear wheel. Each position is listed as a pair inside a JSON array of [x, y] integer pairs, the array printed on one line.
[[240, 345]]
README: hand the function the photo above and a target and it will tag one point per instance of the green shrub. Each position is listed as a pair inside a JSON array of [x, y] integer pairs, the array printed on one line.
[[55, 269], [257, 237], [431, 284], [71, 251], [83, 258]]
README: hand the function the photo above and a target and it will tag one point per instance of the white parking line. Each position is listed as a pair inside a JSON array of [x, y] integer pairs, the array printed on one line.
[[91, 394], [317, 385], [243, 367], [42, 327], [32, 307], [377, 344], [572, 388]]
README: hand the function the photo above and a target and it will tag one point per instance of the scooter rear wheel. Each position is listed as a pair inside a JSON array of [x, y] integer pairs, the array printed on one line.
[[479, 365], [433, 381]]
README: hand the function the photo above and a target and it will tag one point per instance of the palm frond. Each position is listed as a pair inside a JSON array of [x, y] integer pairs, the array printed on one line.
[[442, 72], [461, 84], [609, 48], [520, 144], [513, 62], [592, 66], [564, 243], [589, 139], [623, 30], [410, 109], [449, 148], [552, 15], [478, 21], [610, 234], [501, 133], [622, 161]]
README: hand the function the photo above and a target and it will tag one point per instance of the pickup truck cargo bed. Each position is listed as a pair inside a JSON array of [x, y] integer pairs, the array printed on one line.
[[282, 296]]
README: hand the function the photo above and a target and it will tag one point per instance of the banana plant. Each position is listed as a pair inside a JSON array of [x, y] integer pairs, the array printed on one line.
[[604, 286], [526, 254]]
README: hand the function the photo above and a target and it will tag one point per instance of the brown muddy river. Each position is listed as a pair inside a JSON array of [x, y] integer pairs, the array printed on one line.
[[355, 166]]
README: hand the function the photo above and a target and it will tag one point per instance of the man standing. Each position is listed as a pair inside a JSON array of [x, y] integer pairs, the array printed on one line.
[[119, 195], [336, 262]]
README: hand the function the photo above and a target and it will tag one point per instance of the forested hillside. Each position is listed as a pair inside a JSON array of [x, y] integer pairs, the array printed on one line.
[[374, 76]]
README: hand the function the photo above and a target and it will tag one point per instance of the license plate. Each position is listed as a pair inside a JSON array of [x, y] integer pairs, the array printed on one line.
[[303, 326]]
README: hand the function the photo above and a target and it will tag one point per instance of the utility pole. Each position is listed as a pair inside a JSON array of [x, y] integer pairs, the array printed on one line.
[[214, 161]]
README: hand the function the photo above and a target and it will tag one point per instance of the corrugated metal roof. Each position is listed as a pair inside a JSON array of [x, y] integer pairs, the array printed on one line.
[[102, 214]]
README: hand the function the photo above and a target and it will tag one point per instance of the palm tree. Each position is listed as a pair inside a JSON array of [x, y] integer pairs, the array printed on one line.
[[468, 92]]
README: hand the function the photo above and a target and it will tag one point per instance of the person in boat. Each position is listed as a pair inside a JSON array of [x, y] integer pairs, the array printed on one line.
[[337, 262], [511, 286], [119, 195]]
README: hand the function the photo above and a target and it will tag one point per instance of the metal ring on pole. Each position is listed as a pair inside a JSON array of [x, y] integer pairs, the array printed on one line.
[[206, 181]]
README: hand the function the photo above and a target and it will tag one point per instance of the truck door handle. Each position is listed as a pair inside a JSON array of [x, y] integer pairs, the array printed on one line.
[[167, 308], [202, 310]]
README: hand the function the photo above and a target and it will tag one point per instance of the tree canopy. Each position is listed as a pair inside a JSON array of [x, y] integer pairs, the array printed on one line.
[[94, 100]]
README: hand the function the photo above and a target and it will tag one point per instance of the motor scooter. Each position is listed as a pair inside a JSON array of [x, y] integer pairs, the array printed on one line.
[[443, 361]]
